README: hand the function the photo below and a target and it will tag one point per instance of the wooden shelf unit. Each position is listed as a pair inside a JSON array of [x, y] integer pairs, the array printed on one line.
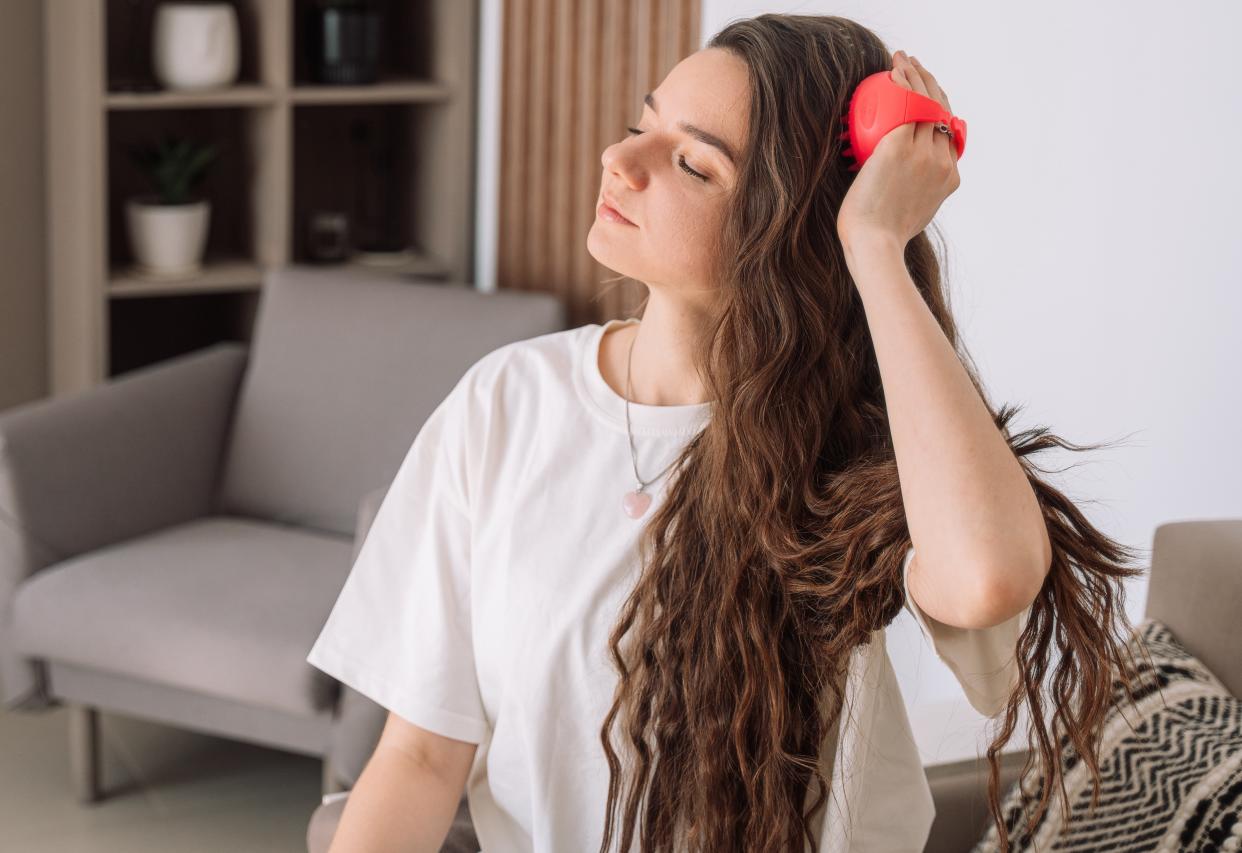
[[397, 156]]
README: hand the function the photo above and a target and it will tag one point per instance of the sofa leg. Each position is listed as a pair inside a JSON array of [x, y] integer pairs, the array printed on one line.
[[331, 783], [84, 751]]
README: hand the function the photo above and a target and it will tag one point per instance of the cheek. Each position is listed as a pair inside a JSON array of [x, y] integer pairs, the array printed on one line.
[[700, 230], [689, 220], [686, 240]]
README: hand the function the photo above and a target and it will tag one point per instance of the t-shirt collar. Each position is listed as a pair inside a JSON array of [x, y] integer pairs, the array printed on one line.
[[608, 404]]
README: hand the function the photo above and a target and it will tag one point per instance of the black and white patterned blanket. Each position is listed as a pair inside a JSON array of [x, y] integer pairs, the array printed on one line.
[[1170, 775]]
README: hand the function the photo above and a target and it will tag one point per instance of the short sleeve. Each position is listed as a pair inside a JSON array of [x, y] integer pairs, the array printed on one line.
[[400, 630], [984, 660]]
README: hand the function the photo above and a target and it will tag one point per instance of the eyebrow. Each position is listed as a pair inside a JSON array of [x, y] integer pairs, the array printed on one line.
[[697, 132]]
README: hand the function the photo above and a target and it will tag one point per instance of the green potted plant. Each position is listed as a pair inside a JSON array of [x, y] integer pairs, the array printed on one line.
[[168, 228]]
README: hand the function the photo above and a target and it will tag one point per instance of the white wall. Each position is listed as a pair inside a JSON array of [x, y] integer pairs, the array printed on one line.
[[1094, 265]]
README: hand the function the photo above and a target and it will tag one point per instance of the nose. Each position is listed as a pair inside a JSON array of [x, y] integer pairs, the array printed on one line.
[[623, 161]]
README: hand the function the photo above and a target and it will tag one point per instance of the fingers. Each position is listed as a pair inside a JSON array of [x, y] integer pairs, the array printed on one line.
[[922, 81], [902, 75], [934, 91], [914, 80], [933, 88]]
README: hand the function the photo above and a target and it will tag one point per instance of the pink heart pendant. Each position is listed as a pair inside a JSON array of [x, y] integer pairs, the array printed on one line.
[[635, 503]]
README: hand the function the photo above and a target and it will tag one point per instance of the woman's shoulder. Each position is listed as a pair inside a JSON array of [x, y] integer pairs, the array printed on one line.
[[518, 381], [551, 356]]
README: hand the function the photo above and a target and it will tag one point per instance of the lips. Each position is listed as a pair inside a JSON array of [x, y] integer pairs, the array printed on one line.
[[610, 202]]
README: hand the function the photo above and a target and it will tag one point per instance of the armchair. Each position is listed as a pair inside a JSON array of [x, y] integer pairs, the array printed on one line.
[[172, 540]]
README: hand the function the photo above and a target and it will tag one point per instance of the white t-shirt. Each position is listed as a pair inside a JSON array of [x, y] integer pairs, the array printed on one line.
[[480, 604]]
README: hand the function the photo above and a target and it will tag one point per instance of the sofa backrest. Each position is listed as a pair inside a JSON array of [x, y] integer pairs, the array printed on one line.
[[344, 368], [1195, 588]]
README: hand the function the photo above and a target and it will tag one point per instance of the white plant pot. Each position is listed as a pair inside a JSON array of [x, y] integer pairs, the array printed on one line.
[[195, 45], [167, 240]]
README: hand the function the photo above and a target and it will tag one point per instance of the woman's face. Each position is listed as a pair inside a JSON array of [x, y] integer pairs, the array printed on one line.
[[677, 216]]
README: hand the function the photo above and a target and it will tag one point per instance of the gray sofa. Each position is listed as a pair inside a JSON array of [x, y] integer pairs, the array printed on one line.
[[172, 540], [1195, 588]]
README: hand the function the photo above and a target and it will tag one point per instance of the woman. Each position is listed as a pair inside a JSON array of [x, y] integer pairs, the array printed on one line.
[[684, 536]]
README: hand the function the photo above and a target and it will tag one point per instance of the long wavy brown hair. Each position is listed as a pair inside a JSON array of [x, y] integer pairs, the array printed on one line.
[[778, 549]]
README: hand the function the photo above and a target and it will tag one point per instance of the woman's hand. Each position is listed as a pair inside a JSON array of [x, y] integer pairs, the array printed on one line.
[[912, 170]]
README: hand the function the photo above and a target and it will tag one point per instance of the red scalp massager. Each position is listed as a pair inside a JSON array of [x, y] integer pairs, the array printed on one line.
[[880, 104]]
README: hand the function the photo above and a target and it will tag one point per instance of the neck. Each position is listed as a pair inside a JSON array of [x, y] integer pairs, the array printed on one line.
[[662, 368]]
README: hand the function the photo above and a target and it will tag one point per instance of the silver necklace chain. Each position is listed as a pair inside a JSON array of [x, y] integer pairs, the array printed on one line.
[[629, 392]]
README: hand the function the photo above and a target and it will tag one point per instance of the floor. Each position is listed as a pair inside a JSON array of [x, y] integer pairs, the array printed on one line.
[[164, 789]]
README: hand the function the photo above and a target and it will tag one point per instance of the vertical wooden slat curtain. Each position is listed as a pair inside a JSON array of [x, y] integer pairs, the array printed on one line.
[[573, 76]]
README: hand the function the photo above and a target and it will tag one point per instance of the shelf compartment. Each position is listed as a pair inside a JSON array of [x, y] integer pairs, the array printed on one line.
[[229, 183], [128, 53], [407, 40], [362, 160], [151, 329]]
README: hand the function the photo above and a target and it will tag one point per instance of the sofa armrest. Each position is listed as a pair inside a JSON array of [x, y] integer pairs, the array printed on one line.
[[91, 468]]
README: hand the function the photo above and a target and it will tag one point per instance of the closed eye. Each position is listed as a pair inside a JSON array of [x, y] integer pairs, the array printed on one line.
[[681, 159]]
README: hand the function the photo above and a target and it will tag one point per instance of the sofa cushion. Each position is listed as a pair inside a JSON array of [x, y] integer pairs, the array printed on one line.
[[225, 606], [1170, 766]]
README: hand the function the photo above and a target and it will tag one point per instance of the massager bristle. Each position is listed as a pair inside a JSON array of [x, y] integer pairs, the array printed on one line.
[[844, 136]]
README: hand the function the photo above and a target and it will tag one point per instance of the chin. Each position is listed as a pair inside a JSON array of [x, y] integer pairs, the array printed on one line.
[[607, 252]]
